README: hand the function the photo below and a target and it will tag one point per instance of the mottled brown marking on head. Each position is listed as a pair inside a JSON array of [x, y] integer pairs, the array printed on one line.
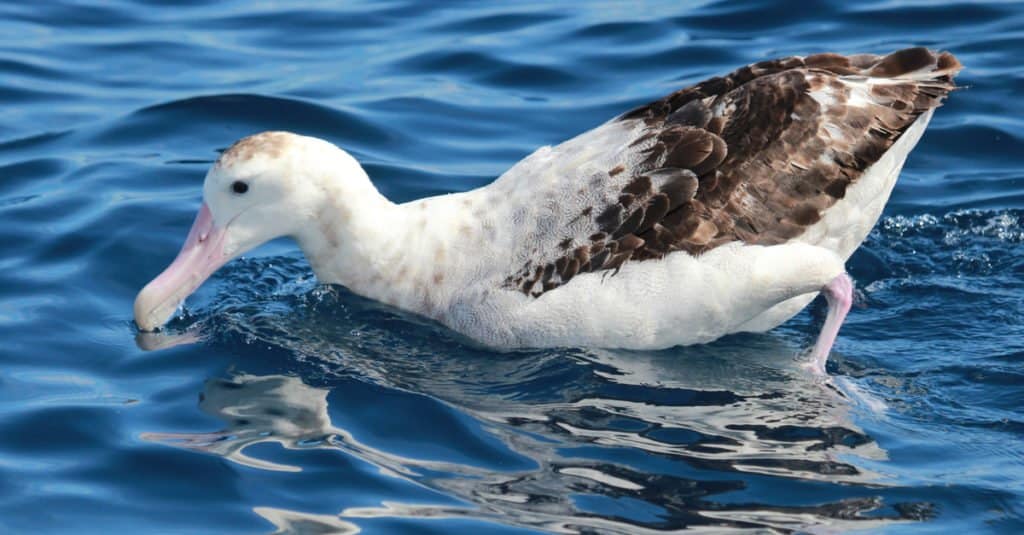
[[269, 144], [616, 170], [438, 277]]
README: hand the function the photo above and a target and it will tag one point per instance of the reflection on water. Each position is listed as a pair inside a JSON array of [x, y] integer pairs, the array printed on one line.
[[307, 524], [257, 409], [580, 420], [731, 435]]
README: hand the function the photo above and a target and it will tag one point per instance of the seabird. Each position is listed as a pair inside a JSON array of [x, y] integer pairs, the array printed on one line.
[[723, 207]]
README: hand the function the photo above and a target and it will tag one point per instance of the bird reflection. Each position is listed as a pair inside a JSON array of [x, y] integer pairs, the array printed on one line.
[[277, 409], [717, 415], [711, 437], [307, 524]]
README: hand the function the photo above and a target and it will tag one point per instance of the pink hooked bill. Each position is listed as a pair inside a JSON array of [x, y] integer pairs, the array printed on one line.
[[202, 254]]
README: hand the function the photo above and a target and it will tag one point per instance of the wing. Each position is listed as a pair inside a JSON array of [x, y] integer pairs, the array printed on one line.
[[755, 156]]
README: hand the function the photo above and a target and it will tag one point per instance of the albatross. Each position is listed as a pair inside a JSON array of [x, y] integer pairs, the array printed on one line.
[[723, 207]]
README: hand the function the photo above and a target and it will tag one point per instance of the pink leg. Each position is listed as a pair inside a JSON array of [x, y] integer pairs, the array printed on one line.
[[839, 294]]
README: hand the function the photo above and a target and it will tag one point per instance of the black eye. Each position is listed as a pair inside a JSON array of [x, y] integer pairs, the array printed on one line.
[[239, 187]]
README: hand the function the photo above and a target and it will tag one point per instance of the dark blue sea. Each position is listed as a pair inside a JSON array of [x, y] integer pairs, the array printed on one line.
[[274, 404]]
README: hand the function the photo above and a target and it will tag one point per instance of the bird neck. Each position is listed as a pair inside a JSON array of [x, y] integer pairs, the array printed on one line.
[[363, 241]]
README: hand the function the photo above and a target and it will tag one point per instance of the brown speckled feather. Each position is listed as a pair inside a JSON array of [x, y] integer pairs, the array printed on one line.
[[755, 156]]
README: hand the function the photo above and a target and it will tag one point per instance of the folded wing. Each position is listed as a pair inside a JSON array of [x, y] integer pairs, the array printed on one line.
[[756, 156]]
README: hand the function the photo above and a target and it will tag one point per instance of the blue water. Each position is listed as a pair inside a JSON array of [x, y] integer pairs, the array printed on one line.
[[304, 408]]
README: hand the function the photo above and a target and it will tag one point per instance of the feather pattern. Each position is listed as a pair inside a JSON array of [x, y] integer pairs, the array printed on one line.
[[756, 156], [720, 208]]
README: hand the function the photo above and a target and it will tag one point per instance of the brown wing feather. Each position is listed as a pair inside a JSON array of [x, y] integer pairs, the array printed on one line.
[[754, 156]]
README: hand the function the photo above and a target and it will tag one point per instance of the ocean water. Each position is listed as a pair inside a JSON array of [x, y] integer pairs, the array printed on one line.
[[274, 403]]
